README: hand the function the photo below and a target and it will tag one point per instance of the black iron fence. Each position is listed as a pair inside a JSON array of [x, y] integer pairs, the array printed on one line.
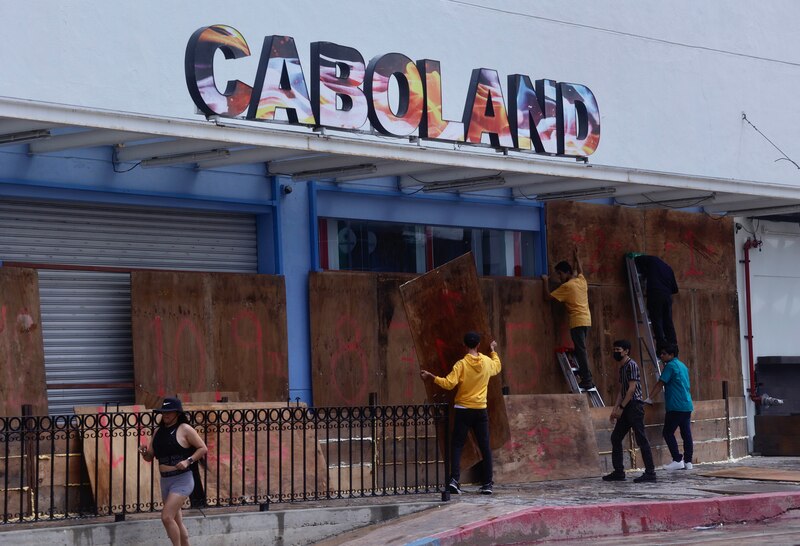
[[87, 465]]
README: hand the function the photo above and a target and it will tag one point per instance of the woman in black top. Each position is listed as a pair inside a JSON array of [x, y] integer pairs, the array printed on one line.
[[177, 446]]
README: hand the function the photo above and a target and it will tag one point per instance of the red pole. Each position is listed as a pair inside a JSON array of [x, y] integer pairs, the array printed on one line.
[[750, 243]]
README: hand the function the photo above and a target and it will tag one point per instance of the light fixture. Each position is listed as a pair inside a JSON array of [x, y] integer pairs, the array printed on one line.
[[766, 211], [333, 172], [83, 139], [24, 136], [465, 184], [183, 158], [689, 201], [577, 194]]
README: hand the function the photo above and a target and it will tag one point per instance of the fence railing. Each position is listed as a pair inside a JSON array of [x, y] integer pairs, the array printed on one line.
[[77, 466]]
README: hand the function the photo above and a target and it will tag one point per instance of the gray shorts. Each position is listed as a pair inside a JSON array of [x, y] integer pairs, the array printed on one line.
[[182, 484]]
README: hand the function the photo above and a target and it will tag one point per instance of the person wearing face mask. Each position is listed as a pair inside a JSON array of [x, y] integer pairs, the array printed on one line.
[[628, 413]]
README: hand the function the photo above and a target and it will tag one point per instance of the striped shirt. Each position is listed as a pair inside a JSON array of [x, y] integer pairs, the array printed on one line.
[[630, 372]]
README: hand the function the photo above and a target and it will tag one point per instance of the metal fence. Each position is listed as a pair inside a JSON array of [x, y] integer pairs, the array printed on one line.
[[79, 466]]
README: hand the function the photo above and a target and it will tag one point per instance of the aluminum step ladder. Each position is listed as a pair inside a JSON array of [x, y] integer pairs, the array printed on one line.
[[644, 328], [566, 359]]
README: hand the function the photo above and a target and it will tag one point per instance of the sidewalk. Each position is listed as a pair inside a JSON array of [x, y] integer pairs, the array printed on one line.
[[578, 509]]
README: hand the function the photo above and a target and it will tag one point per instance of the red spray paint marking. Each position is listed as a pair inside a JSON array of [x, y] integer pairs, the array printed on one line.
[[448, 299], [515, 349], [266, 371], [257, 344], [158, 329], [188, 324], [577, 238], [346, 347], [443, 363], [689, 237], [3, 311], [105, 434]]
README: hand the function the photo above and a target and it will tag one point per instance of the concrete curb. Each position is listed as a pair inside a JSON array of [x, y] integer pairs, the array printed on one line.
[[580, 522]]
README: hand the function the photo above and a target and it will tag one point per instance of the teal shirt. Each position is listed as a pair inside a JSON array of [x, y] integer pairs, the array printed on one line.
[[675, 377]]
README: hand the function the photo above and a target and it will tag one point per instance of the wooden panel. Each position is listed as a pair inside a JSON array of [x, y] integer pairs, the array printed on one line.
[[344, 341], [603, 235], [209, 332], [250, 340], [698, 248], [551, 439], [526, 338], [399, 369], [172, 337], [717, 346], [113, 462], [22, 376], [777, 435], [441, 306], [753, 473]]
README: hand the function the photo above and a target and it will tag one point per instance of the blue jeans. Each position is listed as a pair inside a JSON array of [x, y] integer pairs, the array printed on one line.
[[672, 421]]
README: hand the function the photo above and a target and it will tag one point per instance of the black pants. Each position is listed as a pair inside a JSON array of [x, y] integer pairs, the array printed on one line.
[[579, 334], [632, 418], [659, 307], [672, 421], [478, 421]]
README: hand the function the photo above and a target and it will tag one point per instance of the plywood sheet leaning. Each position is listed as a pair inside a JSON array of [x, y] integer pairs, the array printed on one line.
[[399, 369], [602, 235], [552, 438], [699, 248], [117, 473], [258, 449], [209, 332], [22, 375], [526, 338], [441, 306], [344, 345], [717, 348]]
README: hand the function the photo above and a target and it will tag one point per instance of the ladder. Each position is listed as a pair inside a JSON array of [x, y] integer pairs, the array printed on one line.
[[641, 320], [566, 359]]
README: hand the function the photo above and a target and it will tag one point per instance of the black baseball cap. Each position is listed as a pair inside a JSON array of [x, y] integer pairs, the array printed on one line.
[[169, 404]]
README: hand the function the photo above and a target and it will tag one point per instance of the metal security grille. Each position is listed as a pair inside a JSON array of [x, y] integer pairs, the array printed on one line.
[[86, 320]]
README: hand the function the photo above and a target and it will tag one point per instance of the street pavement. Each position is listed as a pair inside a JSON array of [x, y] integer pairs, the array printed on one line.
[[582, 508]]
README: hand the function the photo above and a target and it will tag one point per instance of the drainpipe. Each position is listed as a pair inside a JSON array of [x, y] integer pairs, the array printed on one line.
[[748, 245]]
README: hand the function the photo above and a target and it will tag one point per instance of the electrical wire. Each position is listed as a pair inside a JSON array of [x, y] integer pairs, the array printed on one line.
[[116, 170], [623, 33], [785, 157]]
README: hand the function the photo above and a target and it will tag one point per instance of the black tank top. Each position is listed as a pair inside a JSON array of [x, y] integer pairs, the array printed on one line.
[[167, 449]]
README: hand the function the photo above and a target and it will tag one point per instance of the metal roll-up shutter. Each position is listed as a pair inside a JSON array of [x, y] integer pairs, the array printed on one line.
[[86, 320]]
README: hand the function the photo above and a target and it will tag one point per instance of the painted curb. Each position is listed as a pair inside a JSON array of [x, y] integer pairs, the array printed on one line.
[[577, 522]]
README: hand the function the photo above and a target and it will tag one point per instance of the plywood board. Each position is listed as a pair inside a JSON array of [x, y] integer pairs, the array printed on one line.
[[699, 248], [249, 332], [717, 347], [117, 473], [777, 435], [441, 306], [399, 370], [551, 439], [22, 375], [602, 234], [209, 332], [753, 473], [526, 338], [344, 344]]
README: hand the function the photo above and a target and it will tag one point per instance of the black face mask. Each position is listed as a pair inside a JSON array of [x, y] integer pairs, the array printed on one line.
[[618, 357]]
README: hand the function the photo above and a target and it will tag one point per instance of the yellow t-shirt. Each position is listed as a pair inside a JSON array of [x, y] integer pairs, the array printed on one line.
[[574, 294], [472, 374]]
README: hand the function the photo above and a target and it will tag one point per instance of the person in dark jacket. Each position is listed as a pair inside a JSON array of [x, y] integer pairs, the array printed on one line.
[[661, 285]]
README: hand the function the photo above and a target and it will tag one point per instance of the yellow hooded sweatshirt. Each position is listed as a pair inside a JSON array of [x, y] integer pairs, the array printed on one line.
[[472, 373]]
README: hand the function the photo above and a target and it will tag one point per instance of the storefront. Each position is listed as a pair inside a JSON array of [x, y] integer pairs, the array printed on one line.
[[271, 143]]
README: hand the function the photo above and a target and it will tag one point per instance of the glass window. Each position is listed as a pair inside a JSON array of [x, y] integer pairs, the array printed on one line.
[[352, 245]]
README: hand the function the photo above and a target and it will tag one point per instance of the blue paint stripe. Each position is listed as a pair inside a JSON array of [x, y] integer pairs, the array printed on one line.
[[427, 541]]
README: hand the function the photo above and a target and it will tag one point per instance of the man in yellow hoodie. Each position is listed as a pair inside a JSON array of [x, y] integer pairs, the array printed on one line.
[[471, 375]]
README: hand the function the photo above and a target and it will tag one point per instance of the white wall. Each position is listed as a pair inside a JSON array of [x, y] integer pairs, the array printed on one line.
[[671, 78]]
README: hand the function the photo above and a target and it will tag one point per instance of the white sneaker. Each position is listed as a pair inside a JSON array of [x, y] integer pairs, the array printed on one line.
[[687, 466], [675, 465]]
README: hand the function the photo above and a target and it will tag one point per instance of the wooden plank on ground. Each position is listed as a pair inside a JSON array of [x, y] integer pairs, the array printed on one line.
[[753, 473], [551, 439], [117, 473], [22, 375], [344, 345], [441, 306]]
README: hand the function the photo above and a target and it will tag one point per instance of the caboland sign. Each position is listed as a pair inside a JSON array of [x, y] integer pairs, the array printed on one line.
[[547, 117]]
